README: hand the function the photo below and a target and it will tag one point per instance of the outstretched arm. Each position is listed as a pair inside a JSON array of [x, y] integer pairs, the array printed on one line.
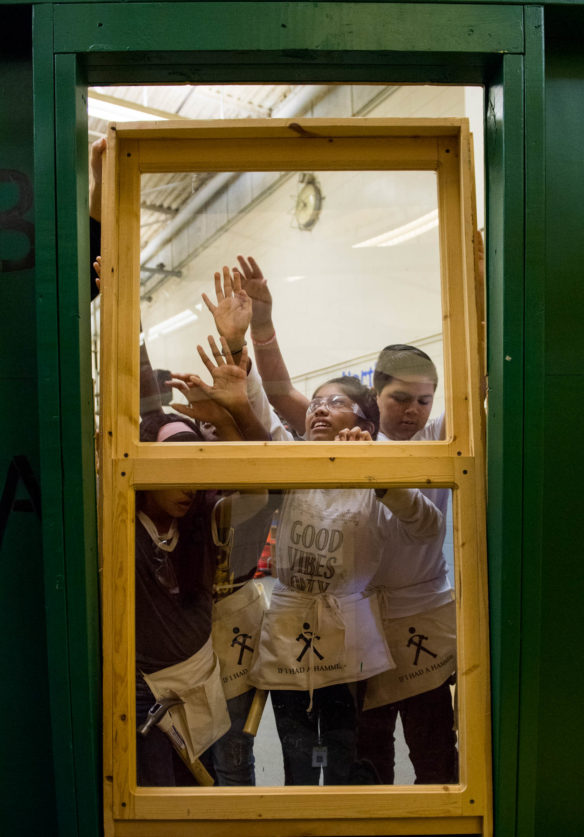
[[284, 397], [96, 161], [232, 312], [418, 518]]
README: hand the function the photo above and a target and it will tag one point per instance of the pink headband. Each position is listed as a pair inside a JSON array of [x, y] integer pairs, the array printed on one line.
[[171, 428]]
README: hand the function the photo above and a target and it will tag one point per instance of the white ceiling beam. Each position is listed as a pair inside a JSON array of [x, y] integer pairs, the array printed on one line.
[[128, 105]]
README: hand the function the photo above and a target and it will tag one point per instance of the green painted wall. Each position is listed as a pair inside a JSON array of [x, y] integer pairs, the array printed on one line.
[[552, 726], [535, 124], [27, 790]]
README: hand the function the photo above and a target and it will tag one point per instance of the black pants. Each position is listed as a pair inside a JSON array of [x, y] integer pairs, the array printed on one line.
[[428, 724], [323, 738]]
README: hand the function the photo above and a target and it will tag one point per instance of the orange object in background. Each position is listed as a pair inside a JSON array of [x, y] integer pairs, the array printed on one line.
[[265, 560]]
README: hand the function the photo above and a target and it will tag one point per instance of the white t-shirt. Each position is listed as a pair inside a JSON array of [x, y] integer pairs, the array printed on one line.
[[332, 540], [329, 544], [415, 576]]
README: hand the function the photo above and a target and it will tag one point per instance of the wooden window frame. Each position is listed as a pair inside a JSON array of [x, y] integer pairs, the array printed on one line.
[[443, 146]]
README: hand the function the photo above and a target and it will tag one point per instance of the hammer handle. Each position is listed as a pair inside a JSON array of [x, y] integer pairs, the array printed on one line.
[[256, 711], [199, 771], [196, 767]]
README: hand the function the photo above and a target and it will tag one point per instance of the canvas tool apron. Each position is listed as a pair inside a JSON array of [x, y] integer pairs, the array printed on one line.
[[236, 628], [202, 718], [308, 642], [424, 649]]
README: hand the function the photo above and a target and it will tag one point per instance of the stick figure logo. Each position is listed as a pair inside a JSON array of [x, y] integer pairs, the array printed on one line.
[[240, 639], [417, 641], [307, 638]]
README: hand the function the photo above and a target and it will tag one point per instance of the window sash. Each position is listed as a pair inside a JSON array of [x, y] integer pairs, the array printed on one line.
[[443, 146]]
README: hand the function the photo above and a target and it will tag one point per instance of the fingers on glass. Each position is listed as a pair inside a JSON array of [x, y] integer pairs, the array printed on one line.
[[208, 303], [256, 269], [227, 282], [218, 287]]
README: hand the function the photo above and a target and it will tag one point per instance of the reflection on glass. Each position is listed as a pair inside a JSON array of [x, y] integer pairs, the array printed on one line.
[[335, 266], [338, 601]]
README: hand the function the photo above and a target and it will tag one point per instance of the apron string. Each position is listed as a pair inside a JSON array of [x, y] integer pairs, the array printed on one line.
[[331, 602]]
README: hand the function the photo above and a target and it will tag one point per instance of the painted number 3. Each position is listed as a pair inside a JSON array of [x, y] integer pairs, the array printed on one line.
[[16, 233]]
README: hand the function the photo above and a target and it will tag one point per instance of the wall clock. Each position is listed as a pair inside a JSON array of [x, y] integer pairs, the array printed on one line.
[[308, 202]]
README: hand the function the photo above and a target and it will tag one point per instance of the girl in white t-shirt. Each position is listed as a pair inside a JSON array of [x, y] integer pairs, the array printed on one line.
[[322, 631]]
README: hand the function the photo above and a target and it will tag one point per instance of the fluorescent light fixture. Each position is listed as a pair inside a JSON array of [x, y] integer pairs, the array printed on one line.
[[172, 324], [293, 278], [404, 233]]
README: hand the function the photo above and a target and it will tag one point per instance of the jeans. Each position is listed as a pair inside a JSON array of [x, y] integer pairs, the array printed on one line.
[[232, 755], [322, 739], [428, 724]]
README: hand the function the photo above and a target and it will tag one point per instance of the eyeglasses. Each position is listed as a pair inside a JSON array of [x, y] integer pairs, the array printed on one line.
[[334, 403], [164, 571]]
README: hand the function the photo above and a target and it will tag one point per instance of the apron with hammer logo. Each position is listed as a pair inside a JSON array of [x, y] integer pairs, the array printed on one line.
[[236, 626], [424, 648]]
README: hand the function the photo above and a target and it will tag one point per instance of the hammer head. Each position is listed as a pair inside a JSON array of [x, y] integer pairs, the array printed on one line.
[[156, 712]]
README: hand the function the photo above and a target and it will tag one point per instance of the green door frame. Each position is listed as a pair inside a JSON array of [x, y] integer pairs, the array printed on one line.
[[499, 46]]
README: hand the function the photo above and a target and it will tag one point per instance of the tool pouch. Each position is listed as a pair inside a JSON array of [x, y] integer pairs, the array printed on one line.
[[202, 718], [424, 649], [307, 642], [236, 627]]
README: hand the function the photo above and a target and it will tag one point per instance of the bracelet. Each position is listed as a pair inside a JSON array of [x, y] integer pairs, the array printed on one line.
[[234, 352], [263, 342]]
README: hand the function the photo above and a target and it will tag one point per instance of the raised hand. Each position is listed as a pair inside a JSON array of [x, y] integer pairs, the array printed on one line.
[[229, 378], [256, 287], [200, 405], [232, 313], [353, 434], [228, 393]]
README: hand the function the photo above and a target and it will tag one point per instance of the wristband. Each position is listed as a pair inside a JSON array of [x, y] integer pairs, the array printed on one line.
[[232, 351], [263, 342]]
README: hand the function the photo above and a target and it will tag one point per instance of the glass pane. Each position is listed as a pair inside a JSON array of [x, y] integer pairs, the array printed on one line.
[[351, 262], [338, 601]]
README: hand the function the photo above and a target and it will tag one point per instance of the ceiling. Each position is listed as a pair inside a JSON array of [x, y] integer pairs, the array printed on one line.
[[164, 195], [170, 201]]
